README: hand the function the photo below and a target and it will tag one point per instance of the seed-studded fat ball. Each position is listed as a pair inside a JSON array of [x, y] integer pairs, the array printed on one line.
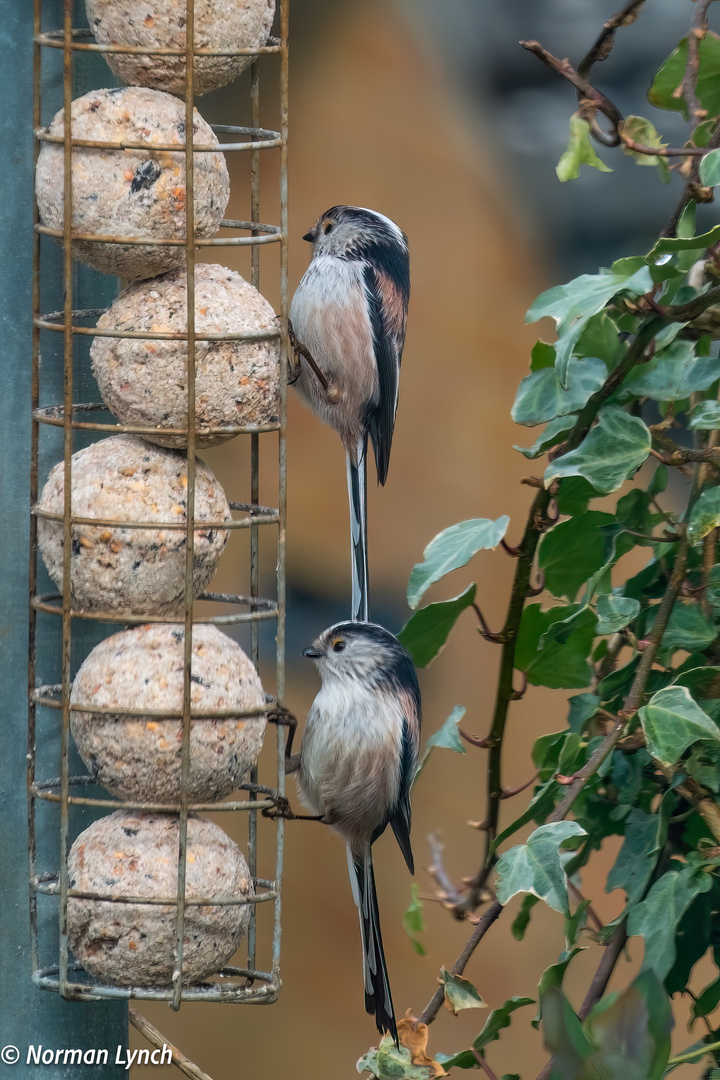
[[128, 854], [125, 570], [144, 381], [139, 757], [219, 24], [118, 193]]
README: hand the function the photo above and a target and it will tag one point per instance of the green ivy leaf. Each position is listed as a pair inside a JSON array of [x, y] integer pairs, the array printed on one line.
[[574, 495], [705, 416], [705, 514], [535, 867], [572, 551], [659, 481], [499, 1019], [460, 993], [425, 633], [538, 808], [580, 151], [697, 679], [615, 612], [672, 722], [627, 778], [495, 1023], [710, 169], [553, 434], [637, 857], [582, 708], [662, 93], [673, 374], [552, 976], [713, 588], [451, 549], [445, 738], [669, 245], [391, 1062], [694, 932], [633, 510], [656, 918], [708, 1000], [703, 132], [600, 339], [551, 662], [572, 305], [610, 453], [631, 1032], [542, 356], [547, 750], [540, 396], [643, 131], [704, 765], [687, 629], [522, 920], [413, 920], [563, 1036]]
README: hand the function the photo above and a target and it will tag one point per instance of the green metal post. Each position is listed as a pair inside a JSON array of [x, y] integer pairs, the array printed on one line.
[[30, 1017]]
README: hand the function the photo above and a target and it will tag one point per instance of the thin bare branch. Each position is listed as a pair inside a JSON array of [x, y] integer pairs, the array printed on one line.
[[510, 793], [698, 29], [606, 38], [696, 113], [483, 1064], [448, 892], [661, 151], [591, 101], [485, 921]]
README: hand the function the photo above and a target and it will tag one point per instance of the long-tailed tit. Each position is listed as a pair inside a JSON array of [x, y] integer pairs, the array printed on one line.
[[349, 313], [358, 758]]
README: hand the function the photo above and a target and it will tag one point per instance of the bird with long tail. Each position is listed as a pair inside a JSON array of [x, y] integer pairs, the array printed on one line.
[[348, 319]]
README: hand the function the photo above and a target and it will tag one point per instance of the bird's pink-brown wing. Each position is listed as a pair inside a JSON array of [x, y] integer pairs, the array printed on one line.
[[387, 318]]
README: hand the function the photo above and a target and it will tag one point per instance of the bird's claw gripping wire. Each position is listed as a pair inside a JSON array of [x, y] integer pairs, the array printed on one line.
[[282, 809], [278, 714]]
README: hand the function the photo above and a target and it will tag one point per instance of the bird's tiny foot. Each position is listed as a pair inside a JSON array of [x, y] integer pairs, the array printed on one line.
[[282, 809]]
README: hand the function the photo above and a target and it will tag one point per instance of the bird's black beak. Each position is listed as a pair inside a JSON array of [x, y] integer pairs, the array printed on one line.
[[312, 654], [310, 236]]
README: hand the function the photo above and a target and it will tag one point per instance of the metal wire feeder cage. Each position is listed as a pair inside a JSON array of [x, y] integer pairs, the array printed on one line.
[[239, 985]]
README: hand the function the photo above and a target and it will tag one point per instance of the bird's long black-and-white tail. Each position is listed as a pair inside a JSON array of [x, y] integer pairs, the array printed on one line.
[[378, 999], [357, 497]]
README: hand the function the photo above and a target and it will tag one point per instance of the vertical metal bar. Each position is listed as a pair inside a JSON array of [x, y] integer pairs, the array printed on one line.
[[255, 281], [34, 448], [190, 507], [254, 488], [67, 481], [255, 169], [282, 461]]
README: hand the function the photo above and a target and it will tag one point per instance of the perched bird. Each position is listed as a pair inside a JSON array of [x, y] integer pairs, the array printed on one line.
[[348, 320], [357, 763]]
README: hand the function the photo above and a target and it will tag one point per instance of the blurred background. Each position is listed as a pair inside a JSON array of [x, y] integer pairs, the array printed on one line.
[[431, 114]]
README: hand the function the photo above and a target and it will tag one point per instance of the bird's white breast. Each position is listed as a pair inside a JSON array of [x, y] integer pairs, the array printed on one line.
[[351, 757], [330, 317]]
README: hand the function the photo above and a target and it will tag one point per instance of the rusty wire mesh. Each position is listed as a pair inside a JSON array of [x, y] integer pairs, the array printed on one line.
[[240, 985]]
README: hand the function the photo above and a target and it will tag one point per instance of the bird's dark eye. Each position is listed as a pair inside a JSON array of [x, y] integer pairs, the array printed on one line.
[[329, 225], [338, 645]]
